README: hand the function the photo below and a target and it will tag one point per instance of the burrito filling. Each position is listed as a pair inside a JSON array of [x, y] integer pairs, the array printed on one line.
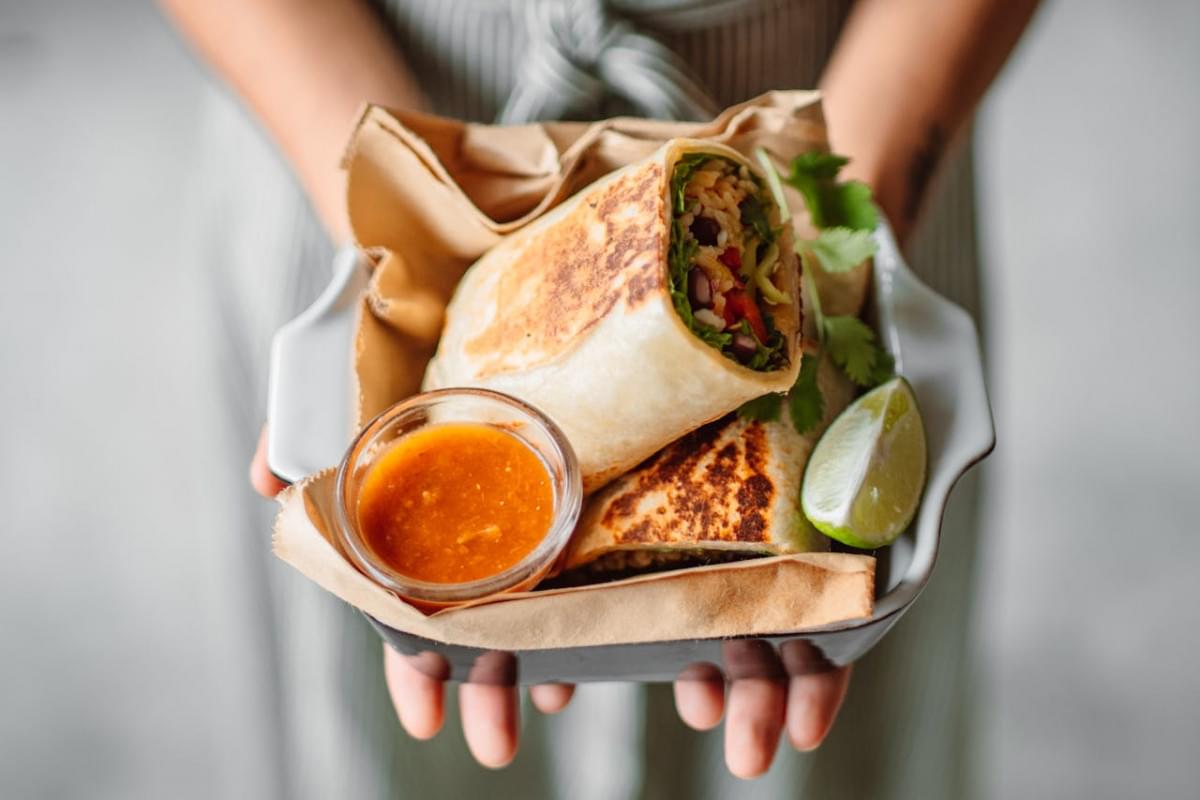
[[618, 564], [724, 258]]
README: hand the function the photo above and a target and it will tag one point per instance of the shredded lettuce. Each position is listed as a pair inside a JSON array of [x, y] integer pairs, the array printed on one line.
[[684, 167]]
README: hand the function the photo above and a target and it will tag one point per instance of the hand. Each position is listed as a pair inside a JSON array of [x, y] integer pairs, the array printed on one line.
[[261, 477], [489, 712], [758, 707], [758, 710]]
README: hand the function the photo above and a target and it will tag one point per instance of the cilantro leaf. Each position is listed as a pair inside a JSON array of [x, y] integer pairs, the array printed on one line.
[[805, 403], [846, 216], [817, 165], [811, 192], [885, 367], [849, 205], [852, 346], [830, 203], [763, 409], [812, 173], [755, 216], [841, 249]]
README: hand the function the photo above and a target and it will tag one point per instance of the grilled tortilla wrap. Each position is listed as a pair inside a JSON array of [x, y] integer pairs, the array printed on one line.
[[728, 490], [586, 312]]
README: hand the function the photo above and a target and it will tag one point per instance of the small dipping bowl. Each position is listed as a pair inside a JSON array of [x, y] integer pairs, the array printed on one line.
[[471, 406]]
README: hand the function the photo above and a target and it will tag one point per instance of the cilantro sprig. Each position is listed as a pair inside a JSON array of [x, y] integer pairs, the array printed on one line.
[[852, 345], [841, 249], [832, 203], [846, 217]]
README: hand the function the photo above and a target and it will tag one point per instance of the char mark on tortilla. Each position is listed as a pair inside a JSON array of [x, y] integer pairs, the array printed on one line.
[[602, 252], [712, 484]]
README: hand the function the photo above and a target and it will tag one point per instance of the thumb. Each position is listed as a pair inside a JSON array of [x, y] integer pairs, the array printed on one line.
[[261, 477]]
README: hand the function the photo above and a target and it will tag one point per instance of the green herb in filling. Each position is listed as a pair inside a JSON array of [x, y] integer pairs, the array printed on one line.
[[754, 216]]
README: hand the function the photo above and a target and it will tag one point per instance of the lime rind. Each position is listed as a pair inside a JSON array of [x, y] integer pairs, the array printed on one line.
[[845, 536], [865, 477]]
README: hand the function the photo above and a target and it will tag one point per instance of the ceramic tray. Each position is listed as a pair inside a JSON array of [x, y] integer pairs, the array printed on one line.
[[936, 347]]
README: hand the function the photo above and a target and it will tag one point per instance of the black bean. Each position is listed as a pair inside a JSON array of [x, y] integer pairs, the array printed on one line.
[[706, 231], [743, 347], [699, 289]]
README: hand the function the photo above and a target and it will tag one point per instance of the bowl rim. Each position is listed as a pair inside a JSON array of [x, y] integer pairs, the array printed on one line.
[[568, 500]]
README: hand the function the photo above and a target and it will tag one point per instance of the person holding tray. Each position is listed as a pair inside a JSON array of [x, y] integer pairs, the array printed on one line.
[[900, 81]]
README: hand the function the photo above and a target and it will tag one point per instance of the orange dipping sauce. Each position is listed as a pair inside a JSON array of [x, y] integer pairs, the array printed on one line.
[[455, 502]]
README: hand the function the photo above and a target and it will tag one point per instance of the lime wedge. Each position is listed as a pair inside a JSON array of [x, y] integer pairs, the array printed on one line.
[[864, 479]]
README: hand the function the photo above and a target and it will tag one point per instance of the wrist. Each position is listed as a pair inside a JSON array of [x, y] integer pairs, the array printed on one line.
[[897, 164]]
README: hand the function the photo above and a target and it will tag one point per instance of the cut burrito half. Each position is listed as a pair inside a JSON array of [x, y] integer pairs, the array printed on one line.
[[727, 491], [654, 301]]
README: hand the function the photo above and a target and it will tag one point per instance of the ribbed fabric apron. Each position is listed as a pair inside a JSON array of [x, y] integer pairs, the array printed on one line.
[[903, 730]]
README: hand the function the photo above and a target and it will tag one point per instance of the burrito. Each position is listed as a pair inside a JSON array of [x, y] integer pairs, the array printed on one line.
[[654, 301], [727, 491]]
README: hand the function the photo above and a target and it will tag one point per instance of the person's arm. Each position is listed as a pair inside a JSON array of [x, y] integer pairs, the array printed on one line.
[[904, 78], [304, 68]]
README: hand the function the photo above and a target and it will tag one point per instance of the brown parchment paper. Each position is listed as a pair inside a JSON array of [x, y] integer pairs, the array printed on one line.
[[750, 597], [427, 196]]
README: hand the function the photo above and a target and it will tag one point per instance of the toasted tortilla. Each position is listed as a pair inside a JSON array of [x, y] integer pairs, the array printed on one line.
[[573, 314], [728, 490]]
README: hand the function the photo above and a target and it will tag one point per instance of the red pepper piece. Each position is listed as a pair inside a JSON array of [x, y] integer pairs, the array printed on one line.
[[732, 258], [739, 306]]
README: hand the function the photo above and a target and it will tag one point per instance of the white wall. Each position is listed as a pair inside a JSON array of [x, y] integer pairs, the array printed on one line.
[[1090, 173]]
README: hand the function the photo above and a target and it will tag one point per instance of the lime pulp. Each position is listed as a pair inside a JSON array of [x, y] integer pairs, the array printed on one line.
[[864, 480]]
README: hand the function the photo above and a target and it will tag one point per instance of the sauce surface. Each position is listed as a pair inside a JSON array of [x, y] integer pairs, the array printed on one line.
[[455, 502]]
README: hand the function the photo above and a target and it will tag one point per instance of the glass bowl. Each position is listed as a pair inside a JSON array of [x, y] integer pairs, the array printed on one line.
[[480, 406]]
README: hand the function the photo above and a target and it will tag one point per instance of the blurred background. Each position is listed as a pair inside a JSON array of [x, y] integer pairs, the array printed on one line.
[[124, 671]]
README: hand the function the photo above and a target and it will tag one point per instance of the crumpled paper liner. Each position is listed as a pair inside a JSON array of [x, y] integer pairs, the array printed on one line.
[[749, 597], [427, 196]]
